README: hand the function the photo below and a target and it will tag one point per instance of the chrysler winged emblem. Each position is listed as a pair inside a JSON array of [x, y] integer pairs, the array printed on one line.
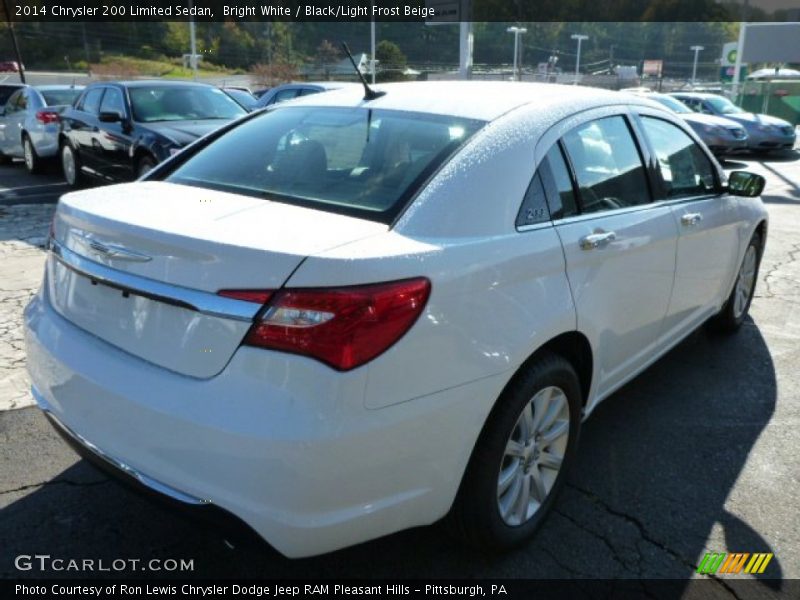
[[111, 251]]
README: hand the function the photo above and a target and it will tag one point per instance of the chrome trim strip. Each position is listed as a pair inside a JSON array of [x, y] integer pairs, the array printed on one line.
[[149, 482], [197, 300]]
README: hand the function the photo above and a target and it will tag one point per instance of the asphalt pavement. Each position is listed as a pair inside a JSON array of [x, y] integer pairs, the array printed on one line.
[[698, 454], [18, 187]]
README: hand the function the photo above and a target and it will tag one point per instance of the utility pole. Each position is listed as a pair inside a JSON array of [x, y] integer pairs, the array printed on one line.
[[193, 44], [14, 42], [697, 50], [580, 38], [517, 31]]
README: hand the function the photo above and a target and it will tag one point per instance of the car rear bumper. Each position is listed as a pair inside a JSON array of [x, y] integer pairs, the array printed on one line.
[[189, 506], [282, 442]]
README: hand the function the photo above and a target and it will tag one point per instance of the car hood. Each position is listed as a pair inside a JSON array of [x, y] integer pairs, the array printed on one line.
[[710, 120], [185, 132]]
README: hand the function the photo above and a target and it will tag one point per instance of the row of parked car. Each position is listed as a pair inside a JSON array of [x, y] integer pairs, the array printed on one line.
[[726, 128], [117, 131]]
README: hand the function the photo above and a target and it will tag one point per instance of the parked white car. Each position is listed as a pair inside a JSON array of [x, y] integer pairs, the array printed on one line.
[[344, 317], [29, 123]]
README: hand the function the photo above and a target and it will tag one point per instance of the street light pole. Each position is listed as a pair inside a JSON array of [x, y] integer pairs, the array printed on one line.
[[580, 38], [697, 50], [517, 31], [372, 45]]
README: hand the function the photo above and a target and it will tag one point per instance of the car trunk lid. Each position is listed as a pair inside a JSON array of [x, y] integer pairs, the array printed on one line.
[[140, 266]]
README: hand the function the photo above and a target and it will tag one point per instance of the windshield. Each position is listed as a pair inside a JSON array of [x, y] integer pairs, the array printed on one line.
[[354, 161], [246, 99], [182, 103], [673, 104], [724, 106], [57, 97]]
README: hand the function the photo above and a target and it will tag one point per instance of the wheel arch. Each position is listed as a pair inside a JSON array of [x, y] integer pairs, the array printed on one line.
[[140, 152]]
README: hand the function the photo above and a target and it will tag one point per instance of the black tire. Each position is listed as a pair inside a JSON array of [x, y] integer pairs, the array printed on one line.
[[33, 162], [4, 160], [144, 165], [728, 320], [476, 514], [77, 180]]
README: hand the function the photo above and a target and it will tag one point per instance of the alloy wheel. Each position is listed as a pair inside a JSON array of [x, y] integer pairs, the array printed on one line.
[[745, 282], [533, 456]]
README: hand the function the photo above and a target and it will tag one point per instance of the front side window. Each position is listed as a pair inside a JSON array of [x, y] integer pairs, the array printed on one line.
[[113, 102], [356, 161], [723, 106], [91, 101], [685, 168], [182, 103], [607, 165]]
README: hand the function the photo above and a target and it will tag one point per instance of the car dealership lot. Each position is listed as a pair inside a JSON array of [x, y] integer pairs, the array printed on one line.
[[696, 455]]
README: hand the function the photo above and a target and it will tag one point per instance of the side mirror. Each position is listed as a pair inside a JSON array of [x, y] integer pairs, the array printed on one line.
[[744, 183], [110, 117]]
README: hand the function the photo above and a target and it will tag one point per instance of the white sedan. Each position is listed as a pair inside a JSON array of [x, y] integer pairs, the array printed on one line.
[[352, 315]]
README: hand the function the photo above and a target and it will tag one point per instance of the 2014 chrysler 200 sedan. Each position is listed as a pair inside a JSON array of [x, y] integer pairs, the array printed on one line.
[[356, 314]]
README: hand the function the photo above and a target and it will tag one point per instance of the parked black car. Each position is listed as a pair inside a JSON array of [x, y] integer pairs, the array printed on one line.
[[118, 131]]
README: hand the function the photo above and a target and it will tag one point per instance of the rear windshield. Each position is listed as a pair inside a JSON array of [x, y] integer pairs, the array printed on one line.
[[356, 161], [5, 93], [56, 97]]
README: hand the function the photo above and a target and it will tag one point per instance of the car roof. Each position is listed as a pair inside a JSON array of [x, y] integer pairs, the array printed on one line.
[[695, 94], [151, 82], [483, 100], [55, 88]]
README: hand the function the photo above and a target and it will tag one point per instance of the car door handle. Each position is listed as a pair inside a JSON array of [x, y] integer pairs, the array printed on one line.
[[691, 219], [598, 239]]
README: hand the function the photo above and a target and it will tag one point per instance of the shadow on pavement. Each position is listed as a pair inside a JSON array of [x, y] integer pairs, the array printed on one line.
[[656, 464]]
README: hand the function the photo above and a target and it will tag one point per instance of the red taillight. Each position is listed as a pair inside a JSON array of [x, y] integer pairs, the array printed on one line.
[[342, 327], [46, 116], [260, 296]]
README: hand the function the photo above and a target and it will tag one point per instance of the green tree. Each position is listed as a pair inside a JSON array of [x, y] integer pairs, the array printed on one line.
[[389, 56]]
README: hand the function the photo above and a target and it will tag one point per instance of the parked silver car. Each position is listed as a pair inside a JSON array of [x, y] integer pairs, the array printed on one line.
[[764, 132], [29, 123], [721, 135]]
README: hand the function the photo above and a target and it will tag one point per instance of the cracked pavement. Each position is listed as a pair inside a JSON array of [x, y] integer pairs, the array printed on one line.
[[698, 454]]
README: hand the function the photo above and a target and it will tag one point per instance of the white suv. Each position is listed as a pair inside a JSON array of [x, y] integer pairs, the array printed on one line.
[[348, 316]]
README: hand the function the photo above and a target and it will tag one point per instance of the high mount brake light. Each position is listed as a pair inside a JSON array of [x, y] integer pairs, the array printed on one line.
[[343, 327]]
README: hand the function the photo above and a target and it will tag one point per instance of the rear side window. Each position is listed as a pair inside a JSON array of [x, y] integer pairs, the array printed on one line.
[[355, 161], [59, 97], [534, 205], [309, 91], [91, 101], [607, 165], [5, 93], [558, 181], [685, 168], [284, 95]]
